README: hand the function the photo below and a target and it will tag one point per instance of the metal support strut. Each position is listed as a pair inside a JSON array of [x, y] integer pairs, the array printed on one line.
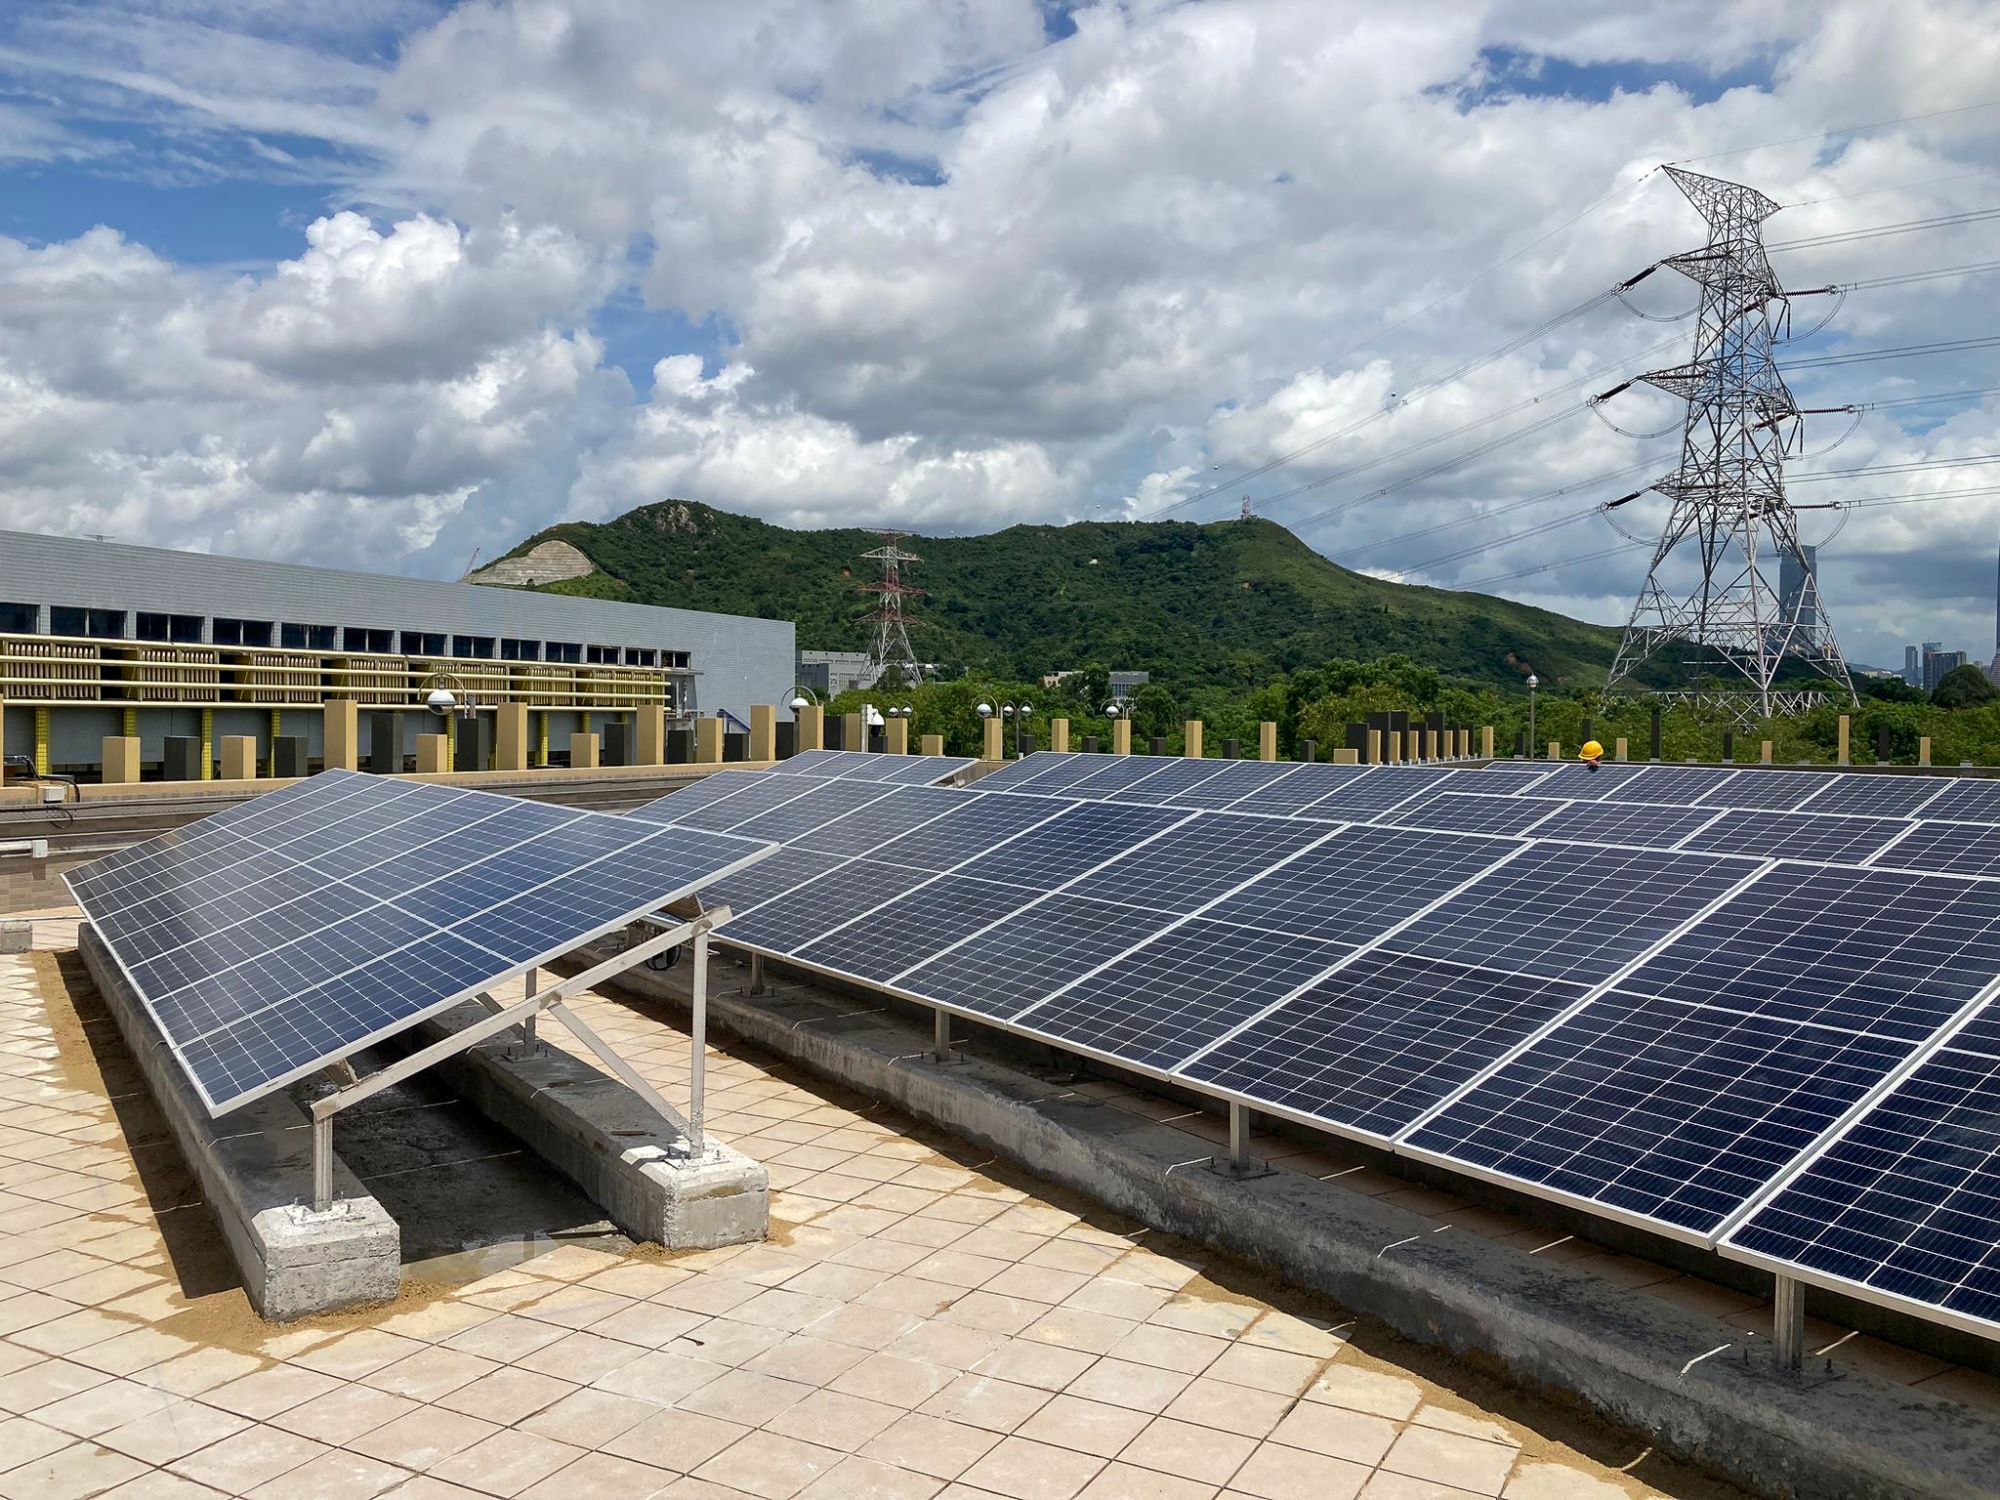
[[524, 1014], [755, 985], [1788, 1323], [941, 1036]]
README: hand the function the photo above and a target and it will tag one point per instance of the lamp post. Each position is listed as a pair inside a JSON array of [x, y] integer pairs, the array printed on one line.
[[1015, 714], [1534, 748]]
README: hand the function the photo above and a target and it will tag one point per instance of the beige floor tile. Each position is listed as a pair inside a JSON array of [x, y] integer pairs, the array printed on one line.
[[506, 1463], [1386, 1486], [1359, 1389], [768, 1465], [812, 1361], [1169, 1349], [1534, 1481], [103, 1407], [865, 1479], [22, 1440], [161, 1485], [1023, 1469], [1024, 1362], [1337, 1432], [1182, 1448], [424, 1437], [46, 1381], [725, 1341], [740, 1396], [662, 1377], [952, 1345], [1123, 1481], [580, 1358], [353, 1355], [930, 1446], [1120, 1299], [70, 1473], [648, 1324], [1275, 1472], [1086, 1426], [1448, 1420], [835, 1420], [336, 1475], [429, 1373], [991, 1311], [1218, 1318], [981, 1401], [590, 1418], [679, 1440], [905, 1383], [782, 1309], [505, 1337], [1122, 1383], [506, 1396], [203, 1370], [253, 1456], [344, 1413], [165, 1435], [601, 1476], [575, 1306], [1428, 1453], [1079, 1328]]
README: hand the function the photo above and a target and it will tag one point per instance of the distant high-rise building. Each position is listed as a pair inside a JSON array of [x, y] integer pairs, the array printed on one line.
[[1913, 665], [1800, 605], [1937, 663]]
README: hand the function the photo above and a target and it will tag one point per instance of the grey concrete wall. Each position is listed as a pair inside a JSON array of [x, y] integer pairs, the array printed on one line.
[[742, 660]]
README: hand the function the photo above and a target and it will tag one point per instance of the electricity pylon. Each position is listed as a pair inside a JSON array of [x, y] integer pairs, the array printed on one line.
[[891, 651], [1732, 632]]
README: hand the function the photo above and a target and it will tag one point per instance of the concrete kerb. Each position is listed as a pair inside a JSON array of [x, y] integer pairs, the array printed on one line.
[[1848, 1437], [608, 1141], [255, 1169]]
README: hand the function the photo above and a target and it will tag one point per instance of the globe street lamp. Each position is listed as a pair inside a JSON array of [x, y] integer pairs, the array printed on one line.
[[1533, 745]]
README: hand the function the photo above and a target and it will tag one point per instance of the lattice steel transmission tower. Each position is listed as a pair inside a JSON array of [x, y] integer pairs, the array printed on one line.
[[891, 650], [1755, 609]]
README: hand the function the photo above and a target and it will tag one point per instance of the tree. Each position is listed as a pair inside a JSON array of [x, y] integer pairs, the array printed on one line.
[[1891, 690], [1964, 687]]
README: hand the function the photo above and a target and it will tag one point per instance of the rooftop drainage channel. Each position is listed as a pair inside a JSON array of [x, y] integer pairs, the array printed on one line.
[[1630, 1357]]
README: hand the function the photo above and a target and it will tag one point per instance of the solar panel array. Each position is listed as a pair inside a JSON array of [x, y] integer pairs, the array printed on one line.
[[272, 939], [1745, 1008]]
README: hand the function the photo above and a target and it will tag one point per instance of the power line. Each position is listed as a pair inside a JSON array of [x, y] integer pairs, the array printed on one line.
[[1882, 231], [1907, 351], [1507, 509], [1800, 140]]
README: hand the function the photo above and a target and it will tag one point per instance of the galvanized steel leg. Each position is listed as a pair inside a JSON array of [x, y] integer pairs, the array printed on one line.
[[1239, 1136], [323, 1164], [941, 1034], [755, 985], [529, 1041], [698, 1041], [1788, 1323]]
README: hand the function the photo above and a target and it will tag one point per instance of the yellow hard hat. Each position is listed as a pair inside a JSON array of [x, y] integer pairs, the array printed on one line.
[[1592, 750]]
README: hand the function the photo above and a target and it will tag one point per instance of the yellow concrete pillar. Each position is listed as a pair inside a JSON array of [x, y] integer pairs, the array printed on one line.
[[812, 728], [1555, 750], [853, 732], [583, 751], [42, 745], [583, 724], [1059, 734], [1414, 749], [763, 732], [1374, 748], [707, 742], [121, 759], [1346, 756], [277, 728], [239, 757], [649, 736], [1267, 741], [989, 740], [1191, 739], [1923, 751], [1121, 736], [130, 720], [208, 746], [542, 738], [339, 737], [1486, 741], [433, 753], [1430, 744], [1618, 749], [1846, 726], [896, 736], [510, 737], [932, 744]]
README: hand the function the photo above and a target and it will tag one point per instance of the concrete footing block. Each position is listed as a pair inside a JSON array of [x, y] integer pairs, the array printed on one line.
[[608, 1141], [16, 937], [255, 1167]]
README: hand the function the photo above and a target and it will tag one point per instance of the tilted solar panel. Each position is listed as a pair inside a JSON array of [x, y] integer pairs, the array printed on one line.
[[1777, 791], [1198, 861], [1170, 778], [352, 933], [679, 805], [1952, 848], [1781, 835], [1117, 773], [1305, 786], [1237, 779], [786, 923], [1015, 775], [1583, 783], [1625, 823], [975, 826], [1031, 954], [823, 800], [1378, 791], [898, 811], [1966, 802], [816, 763], [1472, 812], [1671, 786], [1876, 796], [903, 932], [1082, 837]]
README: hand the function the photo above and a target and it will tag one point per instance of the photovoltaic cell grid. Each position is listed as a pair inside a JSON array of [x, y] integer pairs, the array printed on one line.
[[1472, 812], [1581, 783], [1381, 789], [898, 811], [1016, 774], [1952, 848], [1624, 823], [1197, 862], [1874, 796], [1671, 786], [972, 828], [1781, 835], [1169, 779], [252, 987], [737, 798], [1122, 771], [788, 922], [1083, 836], [1030, 955], [1966, 801], [819, 804], [1305, 786], [1382, 1039], [882, 943], [1158, 1004], [1237, 780], [1777, 791]]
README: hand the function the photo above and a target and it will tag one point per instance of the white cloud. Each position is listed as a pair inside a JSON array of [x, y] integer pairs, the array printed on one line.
[[966, 275]]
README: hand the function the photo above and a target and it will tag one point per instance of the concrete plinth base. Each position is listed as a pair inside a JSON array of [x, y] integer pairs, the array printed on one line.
[[255, 1167], [608, 1141], [16, 937]]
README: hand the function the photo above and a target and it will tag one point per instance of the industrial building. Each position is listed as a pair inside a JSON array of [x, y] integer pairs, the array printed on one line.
[[103, 639]]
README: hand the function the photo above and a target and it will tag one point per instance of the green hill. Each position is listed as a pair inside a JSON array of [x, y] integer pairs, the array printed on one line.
[[1222, 605]]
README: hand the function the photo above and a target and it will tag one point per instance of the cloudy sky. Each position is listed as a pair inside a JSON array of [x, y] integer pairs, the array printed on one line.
[[377, 283]]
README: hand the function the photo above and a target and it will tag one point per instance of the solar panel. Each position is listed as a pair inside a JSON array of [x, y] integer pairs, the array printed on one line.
[[822, 801], [1861, 950], [1119, 772], [1522, 767], [1382, 1039], [1967, 802], [815, 763], [1195, 863], [252, 987], [1566, 912], [1170, 778], [1083, 836], [1781, 835], [921, 770], [1778, 791], [897, 812], [1669, 1112], [1236, 780], [1624, 823], [1361, 882], [746, 796], [1876, 796], [974, 826], [1472, 812], [1159, 1003], [1377, 792], [758, 883], [1305, 786], [1017, 774], [903, 933], [1583, 783], [1671, 786], [1953, 848], [1905, 1203], [786, 923], [1031, 954]]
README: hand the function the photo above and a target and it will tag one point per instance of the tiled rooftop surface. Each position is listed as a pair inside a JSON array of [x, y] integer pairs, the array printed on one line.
[[921, 1323]]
